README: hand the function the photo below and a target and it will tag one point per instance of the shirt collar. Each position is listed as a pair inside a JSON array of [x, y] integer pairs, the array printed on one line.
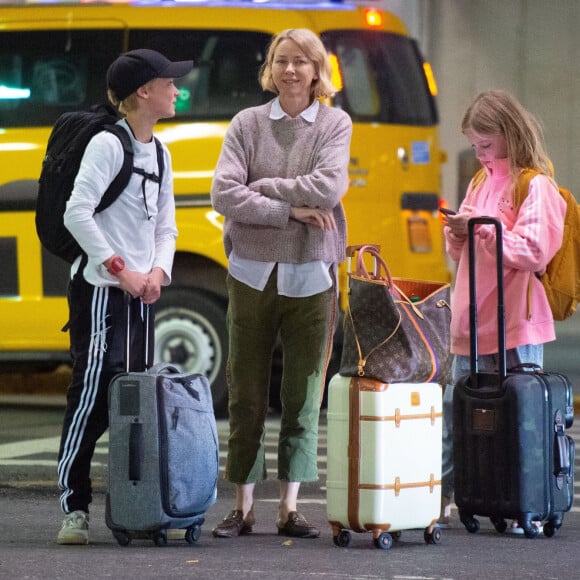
[[309, 114]]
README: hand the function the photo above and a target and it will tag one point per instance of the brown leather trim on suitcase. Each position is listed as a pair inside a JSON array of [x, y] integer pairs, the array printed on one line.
[[398, 486], [366, 384], [397, 417], [354, 455]]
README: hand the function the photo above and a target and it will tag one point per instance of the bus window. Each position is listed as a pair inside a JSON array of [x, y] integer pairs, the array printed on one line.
[[53, 72], [362, 93], [386, 67], [59, 81], [225, 78]]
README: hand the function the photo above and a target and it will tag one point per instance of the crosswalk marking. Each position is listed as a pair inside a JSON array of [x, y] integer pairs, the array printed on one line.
[[43, 452]]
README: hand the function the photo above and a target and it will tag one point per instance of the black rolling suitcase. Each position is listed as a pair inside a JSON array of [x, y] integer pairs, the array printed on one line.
[[512, 456], [163, 452]]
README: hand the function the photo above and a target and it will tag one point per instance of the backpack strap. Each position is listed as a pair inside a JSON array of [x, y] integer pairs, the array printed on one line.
[[523, 185], [122, 179], [152, 176], [479, 177], [157, 178], [160, 159], [520, 193]]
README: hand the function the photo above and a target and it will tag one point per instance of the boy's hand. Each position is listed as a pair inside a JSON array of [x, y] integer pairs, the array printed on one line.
[[152, 291], [135, 283]]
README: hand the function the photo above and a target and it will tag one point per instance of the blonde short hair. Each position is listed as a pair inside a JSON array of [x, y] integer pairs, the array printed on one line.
[[312, 47], [126, 105]]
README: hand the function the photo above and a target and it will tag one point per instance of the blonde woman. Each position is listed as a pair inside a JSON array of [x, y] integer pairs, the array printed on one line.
[[279, 181]]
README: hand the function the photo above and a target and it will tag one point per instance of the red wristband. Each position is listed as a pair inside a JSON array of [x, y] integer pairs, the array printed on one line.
[[117, 265]]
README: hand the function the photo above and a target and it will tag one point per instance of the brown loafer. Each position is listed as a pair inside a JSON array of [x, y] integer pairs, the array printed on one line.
[[234, 524], [298, 527]]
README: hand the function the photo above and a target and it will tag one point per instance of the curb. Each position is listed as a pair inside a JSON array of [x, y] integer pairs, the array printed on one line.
[[32, 401]]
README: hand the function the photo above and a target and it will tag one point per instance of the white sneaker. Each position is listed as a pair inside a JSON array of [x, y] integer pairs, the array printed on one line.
[[75, 529]]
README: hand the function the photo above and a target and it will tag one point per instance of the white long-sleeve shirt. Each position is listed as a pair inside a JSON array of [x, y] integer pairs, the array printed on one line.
[[143, 234]]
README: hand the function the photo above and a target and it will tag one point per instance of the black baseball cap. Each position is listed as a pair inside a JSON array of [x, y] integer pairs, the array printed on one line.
[[133, 69]]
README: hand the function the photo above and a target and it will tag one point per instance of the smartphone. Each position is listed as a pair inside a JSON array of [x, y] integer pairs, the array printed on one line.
[[447, 211]]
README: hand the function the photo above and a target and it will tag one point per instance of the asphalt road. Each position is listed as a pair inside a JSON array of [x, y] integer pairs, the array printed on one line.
[[30, 518]]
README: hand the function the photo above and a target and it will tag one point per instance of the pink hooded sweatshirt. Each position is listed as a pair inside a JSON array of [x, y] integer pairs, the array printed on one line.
[[531, 237]]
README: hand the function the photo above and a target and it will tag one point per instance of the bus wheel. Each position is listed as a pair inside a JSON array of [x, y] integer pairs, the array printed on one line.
[[190, 332]]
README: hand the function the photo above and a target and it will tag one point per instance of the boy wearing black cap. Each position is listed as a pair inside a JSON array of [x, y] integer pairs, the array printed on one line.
[[130, 248]]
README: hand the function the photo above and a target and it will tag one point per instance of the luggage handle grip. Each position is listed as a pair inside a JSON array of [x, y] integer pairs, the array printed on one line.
[[136, 455], [562, 454], [146, 330], [562, 461], [472, 222]]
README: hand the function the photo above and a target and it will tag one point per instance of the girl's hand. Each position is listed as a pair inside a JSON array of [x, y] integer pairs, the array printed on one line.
[[458, 223]]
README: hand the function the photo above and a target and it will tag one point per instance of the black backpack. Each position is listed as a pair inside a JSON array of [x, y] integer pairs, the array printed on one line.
[[66, 145]]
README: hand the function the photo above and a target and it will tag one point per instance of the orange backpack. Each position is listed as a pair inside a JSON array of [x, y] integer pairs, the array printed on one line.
[[561, 280]]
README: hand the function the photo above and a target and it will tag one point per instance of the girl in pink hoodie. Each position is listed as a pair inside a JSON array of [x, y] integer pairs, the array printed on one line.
[[506, 139]]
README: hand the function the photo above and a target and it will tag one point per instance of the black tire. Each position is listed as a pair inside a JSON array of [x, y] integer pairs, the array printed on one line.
[[471, 524], [434, 537], [499, 524], [123, 539], [190, 332], [550, 529], [192, 534], [531, 531], [384, 541], [160, 538], [342, 540]]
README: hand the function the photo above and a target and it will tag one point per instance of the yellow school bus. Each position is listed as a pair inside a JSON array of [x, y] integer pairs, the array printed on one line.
[[53, 59]]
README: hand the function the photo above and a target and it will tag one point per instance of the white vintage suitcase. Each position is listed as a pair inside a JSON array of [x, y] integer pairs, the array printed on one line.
[[384, 459]]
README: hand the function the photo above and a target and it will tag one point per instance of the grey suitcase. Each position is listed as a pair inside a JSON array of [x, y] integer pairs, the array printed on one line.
[[163, 454]]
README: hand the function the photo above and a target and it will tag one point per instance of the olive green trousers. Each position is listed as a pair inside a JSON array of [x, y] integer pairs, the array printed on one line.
[[305, 327]]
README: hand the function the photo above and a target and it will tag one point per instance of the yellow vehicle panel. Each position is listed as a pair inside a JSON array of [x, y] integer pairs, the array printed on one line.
[[56, 55]]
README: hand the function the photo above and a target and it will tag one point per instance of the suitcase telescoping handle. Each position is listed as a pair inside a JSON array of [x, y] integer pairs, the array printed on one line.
[[146, 333], [351, 252], [473, 298]]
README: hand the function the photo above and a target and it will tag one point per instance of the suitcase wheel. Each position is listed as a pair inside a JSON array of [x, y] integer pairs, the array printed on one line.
[[499, 524], [552, 526], [531, 531], [550, 529], [470, 523], [192, 534], [123, 538], [384, 541], [433, 537], [342, 539], [160, 538]]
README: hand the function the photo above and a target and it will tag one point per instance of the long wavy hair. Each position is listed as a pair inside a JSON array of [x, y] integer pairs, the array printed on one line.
[[498, 112]]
